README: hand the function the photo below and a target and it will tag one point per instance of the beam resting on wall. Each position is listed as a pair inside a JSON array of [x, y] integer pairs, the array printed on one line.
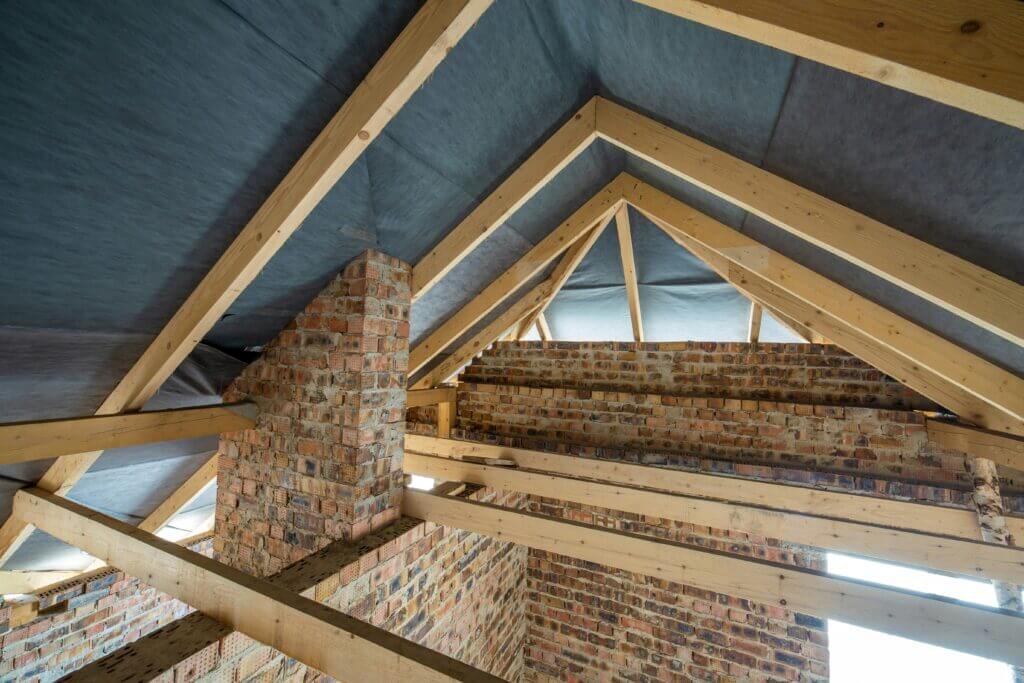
[[965, 54], [24, 441], [983, 631], [327, 640], [895, 544], [424, 43]]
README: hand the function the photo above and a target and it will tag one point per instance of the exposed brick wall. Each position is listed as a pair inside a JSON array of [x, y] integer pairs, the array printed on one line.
[[324, 461], [459, 593], [855, 440], [590, 622], [82, 620], [798, 373]]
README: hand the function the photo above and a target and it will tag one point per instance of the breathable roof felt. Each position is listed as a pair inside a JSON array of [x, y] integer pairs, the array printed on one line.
[[139, 137]]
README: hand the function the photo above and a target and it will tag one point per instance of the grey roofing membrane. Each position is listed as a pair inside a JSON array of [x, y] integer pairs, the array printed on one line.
[[138, 137]]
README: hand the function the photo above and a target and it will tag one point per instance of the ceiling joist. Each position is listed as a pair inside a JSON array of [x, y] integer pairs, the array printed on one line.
[[327, 640], [947, 623], [895, 544], [965, 54]]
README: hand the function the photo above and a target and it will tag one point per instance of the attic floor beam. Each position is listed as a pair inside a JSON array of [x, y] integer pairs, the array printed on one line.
[[406, 65], [569, 263], [551, 157], [980, 391], [978, 560], [328, 640], [851, 507], [1002, 449], [182, 496], [947, 623], [958, 286], [629, 270], [754, 324], [564, 236], [24, 441], [964, 54]]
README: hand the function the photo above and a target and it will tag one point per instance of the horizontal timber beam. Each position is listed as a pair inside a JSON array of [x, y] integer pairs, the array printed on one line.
[[327, 640], [947, 623], [421, 46], [1002, 449], [907, 546], [23, 441], [958, 286], [530, 264], [428, 397], [975, 388], [964, 54], [927, 519]]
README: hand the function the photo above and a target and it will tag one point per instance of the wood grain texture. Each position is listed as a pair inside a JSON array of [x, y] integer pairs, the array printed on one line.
[[530, 264], [757, 269], [927, 519], [327, 640], [754, 323], [24, 441], [406, 65], [625, 235], [551, 157], [1002, 449], [969, 291], [947, 623], [428, 397], [907, 546], [965, 54]]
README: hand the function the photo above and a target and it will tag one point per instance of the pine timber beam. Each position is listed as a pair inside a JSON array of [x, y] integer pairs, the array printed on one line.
[[555, 154], [956, 285], [804, 500], [24, 441], [327, 640], [428, 397], [983, 631], [1002, 449], [965, 54], [182, 496], [625, 235], [419, 49], [907, 546], [754, 324], [566, 267], [976, 389], [485, 337], [542, 327], [561, 238]]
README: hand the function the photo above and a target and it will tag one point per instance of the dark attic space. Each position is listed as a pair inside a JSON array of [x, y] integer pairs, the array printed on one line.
[[595, 341]]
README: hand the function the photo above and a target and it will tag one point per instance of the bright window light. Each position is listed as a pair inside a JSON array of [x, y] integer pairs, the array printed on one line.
[[175, 534], [858, 654], [421, 483]]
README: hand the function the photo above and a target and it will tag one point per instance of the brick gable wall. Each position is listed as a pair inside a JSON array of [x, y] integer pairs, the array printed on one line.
[[797, 373]]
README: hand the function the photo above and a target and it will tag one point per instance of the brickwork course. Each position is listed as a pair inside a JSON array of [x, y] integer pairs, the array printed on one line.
[[325, 459], [822, 374], [82, 620]]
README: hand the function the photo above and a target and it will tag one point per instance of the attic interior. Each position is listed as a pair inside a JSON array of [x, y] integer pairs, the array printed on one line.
[[524, 340]]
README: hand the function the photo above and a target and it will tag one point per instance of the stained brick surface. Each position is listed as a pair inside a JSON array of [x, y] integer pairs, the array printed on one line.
[[325, 459], [797, 373]]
